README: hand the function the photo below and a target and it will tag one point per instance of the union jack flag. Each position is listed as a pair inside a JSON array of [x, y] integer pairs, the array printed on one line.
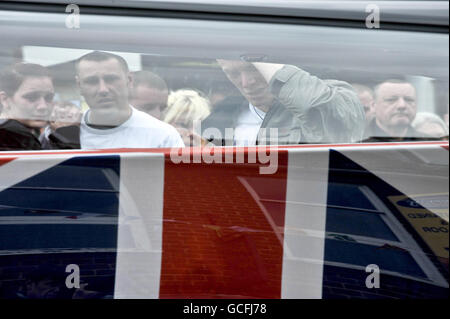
[[140, 226]]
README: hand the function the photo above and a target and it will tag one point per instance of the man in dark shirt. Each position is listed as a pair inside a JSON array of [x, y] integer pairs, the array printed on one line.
[[395, 109]]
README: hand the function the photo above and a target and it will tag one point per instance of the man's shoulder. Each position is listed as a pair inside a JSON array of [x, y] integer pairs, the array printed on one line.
[[164, 133], [371, 129], [143, 120], [375, 134]]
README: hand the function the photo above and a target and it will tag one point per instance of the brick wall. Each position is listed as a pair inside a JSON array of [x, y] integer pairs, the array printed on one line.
[[205, 254]]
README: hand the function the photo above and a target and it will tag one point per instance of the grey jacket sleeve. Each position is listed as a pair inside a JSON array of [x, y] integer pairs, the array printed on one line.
[[328, 111]]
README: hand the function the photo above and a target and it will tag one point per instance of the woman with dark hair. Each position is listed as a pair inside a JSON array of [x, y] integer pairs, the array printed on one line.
[[26, 94]]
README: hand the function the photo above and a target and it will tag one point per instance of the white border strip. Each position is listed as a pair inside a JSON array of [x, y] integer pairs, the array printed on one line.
[[306, 198], [139, 243]]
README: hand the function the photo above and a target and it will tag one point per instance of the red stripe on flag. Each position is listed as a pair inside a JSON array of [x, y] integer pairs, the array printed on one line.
[[218, 242], [4, 161]]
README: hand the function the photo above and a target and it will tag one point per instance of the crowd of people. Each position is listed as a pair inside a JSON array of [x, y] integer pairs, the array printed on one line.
[[138, 109]]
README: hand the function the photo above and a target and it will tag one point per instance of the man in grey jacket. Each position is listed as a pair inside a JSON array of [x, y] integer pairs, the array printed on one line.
[[301, 107]]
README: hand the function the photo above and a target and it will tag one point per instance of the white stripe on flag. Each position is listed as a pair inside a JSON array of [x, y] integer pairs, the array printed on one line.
[[23, 168], [306, 200], [139, 243]]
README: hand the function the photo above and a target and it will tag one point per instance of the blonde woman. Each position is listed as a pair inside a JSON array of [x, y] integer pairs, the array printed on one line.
[[183, 108]]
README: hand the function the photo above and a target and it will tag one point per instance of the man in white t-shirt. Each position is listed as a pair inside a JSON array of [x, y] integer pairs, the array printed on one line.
[[111, 122]]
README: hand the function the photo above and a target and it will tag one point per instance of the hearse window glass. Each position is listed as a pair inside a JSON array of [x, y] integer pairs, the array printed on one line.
[[376, 231], [348, 195], [359, 254], [355, 234], [361, 223], [215, 83]]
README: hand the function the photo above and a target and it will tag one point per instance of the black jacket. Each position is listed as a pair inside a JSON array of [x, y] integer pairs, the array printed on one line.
[[374, 133], [14, 136]]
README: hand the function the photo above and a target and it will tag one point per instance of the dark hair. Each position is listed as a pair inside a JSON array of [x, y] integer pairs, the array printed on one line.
[[12, 77], [99, 56], [397, 81], [149, 79]]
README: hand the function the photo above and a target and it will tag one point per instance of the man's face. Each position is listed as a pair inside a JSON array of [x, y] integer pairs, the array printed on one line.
[[32, 103], [149, 100], [104, 85], [249, 81], [395, 105]]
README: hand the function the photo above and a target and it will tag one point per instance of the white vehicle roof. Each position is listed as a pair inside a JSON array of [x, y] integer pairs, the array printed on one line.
[[411, 12]]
